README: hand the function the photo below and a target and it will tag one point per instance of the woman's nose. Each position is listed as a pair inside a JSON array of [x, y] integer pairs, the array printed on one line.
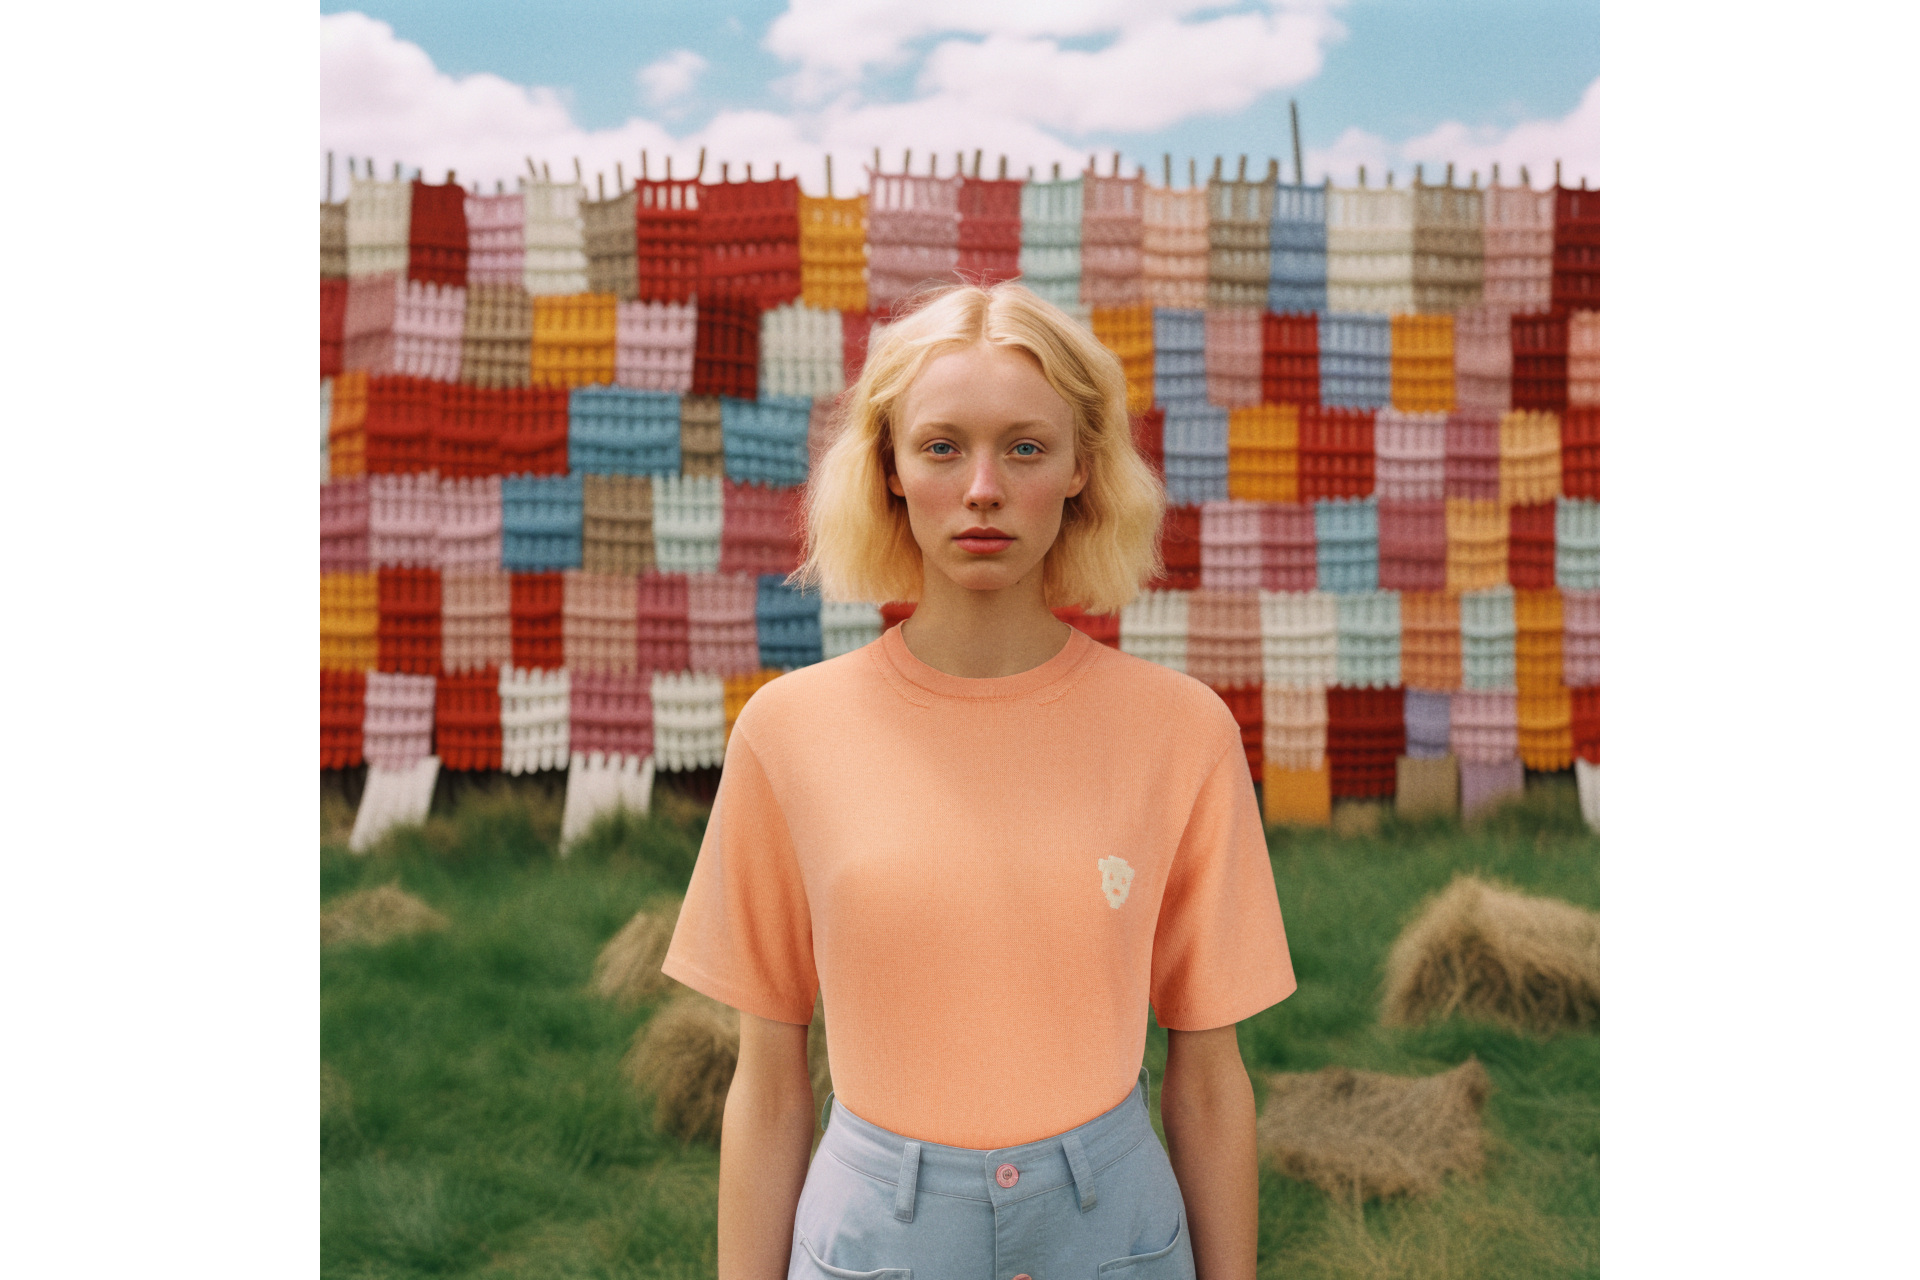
[[983, 485]]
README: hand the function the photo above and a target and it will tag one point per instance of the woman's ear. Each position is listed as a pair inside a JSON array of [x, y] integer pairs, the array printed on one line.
[[1080, 476]]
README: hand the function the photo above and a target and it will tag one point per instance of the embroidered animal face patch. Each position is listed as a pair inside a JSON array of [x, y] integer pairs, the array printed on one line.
[[1116, 877]]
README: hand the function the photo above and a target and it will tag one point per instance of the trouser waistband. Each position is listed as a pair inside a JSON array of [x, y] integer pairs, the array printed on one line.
[[1001, 1175]]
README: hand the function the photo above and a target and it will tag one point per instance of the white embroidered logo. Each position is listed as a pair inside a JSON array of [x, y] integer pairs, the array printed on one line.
[[1116, 877]]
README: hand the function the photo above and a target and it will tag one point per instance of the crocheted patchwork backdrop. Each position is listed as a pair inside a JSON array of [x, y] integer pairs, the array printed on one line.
[[562, 442]]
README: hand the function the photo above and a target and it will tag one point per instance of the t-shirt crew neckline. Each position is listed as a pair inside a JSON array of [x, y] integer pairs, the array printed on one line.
[[895, 654]]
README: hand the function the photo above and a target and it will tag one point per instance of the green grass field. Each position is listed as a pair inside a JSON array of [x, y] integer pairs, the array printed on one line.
[[474, 1121]]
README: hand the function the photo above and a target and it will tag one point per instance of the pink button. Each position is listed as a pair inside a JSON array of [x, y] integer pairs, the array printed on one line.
[[1023, 1276], [1006, 1175]]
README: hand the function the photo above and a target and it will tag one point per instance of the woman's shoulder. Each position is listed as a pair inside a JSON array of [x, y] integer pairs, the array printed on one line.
[[805, 693], [1161, 696]]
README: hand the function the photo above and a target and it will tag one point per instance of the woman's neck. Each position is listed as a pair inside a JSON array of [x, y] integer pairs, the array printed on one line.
[[980, 635]]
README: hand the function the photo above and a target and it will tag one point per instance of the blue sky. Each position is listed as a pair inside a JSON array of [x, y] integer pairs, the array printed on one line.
[[1381, 82]]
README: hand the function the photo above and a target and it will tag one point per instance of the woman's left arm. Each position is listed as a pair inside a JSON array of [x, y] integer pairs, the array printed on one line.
[[1206, 1106]]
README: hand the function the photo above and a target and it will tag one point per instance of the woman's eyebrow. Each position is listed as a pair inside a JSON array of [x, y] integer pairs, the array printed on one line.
[[941, 424]]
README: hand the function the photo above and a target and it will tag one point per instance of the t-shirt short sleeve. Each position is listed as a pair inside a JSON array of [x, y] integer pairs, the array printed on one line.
[[1220, 950], [745, 935]]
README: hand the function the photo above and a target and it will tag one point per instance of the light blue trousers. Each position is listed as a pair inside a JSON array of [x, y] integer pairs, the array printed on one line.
[[1098, 1200]]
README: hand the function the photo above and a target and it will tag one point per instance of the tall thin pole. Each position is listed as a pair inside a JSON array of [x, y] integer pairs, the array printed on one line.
[[1299, 171]]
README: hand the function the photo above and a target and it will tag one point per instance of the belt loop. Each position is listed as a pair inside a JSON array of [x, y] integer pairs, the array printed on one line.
[[909, 1181], [826, 1109], [1082, 1170]]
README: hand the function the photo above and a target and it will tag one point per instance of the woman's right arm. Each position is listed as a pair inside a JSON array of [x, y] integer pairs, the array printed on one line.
[[766, 1138]]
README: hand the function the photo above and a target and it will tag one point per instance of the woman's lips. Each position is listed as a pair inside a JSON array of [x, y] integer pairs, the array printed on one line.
[[983, 545]]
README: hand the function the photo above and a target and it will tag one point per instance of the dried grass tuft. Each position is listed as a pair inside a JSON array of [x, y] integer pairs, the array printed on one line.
[[627, 971], [1493, 953], [371, 917], [1362, 1135], [684, 1057]]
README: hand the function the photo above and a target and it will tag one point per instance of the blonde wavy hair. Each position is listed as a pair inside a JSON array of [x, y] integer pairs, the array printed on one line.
[[859, 543]]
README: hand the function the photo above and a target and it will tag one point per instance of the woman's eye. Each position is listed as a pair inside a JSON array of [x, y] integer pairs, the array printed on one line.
[[940, 449], [1026, 449]]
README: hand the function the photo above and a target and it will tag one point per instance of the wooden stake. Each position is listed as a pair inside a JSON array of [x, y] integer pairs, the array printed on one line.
[[960, 164], [976, 162], [1556, 173], [619, 176], [1056, 171], [1363, 175], [876, 160], [579, 178], [1419, 176], [829, 175], [329, 177], [669, 166], [1494, 179], [1476, 179], [1003, 168], [1526, 179], [749, 171], [545, 173], [700, 167], [1193, 173], [396, 171], [600, 184], [1299, 171], [1166, 169], [1241, 176], [1273, 170], [1219, 162], [499, 187], [1449, 173], [643, 164], [723, 172]]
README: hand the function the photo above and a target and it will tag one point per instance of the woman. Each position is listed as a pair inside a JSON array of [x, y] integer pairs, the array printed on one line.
[[988, 842]]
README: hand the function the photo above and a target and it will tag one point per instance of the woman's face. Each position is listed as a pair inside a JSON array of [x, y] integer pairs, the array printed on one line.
[[984, 457]]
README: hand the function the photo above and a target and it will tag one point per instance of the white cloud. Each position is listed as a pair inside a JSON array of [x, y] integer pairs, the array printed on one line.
[[1153, 74], [1154, 65], [1573, 140], [671, 77], [381, 96]]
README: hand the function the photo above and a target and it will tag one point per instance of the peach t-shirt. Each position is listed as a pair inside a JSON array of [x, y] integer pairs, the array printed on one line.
[[987, 881]]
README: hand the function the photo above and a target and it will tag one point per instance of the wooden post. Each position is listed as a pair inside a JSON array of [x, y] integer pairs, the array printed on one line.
[[1526, 179], [396, 172], [1166, 169], [546, 174], [643, 164], [749, 171], [876, 160], [1193, 173], [619, 176], [1493, 179], [1003, 168], [329, 177], [1556, 173], [1299, 171], [600, 185], [1449, 173], [701, 167], [579, 178], [1056, 171], [829, 175], [669, 166], [906, 162], [1363, 175], [723, 172], [976, 162], [1241, 175], [1419, 176]]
